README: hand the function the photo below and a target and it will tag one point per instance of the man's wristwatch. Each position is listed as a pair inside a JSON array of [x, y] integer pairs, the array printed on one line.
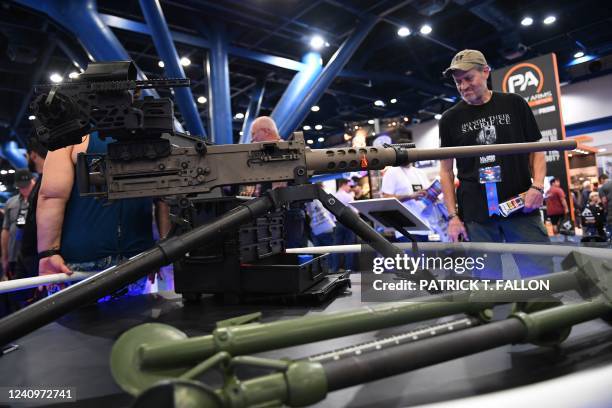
[[540, 189], [452, 215], [48, 253]]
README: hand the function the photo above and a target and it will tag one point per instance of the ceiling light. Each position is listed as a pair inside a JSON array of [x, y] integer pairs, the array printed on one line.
[[393, 100], [347, 136], [371, 122], [31, 117], [321, 139], [11, 171], [318, 127], [394, 124], [3, 172], [326, 44], [403, 32], [306, 127], [406, 118], [527, 21], [310, 141], [55, 77], [315, 108], [202, 99], [161, 64], [579, 54], [549, 20], [438, 116], [185, 62], [317, 42], [241, 133], [73, 75], [426, 29], [378, 102], [239, 115]]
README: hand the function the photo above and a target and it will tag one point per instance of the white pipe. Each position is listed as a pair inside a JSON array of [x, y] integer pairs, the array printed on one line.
[[26, 283], [511, 248]]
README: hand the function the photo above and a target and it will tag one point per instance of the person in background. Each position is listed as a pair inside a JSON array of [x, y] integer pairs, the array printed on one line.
[[593, 218], [27, 259], [342, 234], [87, 234], [484, 117], [606, 198], [556, 205], [263, 129], [322, 223], [586, 192], [15, 214], [407, 184]]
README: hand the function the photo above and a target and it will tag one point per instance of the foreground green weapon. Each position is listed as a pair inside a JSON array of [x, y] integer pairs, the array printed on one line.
[[166, 347], [300, 383], [148, 353]]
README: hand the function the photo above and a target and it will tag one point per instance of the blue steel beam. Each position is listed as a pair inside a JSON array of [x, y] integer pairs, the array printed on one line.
[[76, 59], [81, 18], [217, 69], [137, 27], [15, 155], [331, 70], [296, 91], [36, 79], [154, 16], [253, 110]]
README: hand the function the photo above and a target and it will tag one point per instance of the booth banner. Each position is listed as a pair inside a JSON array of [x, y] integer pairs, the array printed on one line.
[[537, 80]]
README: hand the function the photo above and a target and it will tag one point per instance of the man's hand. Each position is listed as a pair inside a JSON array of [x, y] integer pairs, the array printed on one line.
[[533, 200], [53, 264], [414, 196], [456, 229]]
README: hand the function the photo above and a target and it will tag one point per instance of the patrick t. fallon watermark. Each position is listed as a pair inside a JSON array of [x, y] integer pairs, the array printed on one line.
[[406, 277]]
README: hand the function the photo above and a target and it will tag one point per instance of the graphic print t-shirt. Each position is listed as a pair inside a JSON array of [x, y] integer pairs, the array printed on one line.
[[506, 118]]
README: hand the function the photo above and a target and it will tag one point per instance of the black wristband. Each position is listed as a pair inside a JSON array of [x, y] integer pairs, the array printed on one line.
[[48, 253], [540, 189]]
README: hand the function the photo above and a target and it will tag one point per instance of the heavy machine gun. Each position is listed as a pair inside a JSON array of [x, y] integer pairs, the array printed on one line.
[[148, 158]]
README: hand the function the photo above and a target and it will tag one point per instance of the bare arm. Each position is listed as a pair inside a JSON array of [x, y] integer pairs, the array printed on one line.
[[413, 196], [537, 163], [534, 199], [162, 218], [447, 181], [52, 198]]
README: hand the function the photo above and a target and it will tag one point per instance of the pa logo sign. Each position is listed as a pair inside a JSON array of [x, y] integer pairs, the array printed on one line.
[[523, 78]]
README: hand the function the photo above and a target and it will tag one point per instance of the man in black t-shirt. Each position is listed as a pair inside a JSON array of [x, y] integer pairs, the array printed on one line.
[[484, 117]]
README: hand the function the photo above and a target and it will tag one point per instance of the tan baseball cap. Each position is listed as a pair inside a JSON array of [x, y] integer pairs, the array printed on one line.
[[465, 60]]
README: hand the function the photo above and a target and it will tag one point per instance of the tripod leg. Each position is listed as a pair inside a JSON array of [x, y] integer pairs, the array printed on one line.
[[351, 220]]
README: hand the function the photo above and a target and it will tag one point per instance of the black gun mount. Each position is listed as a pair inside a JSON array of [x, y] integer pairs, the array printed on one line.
[[102, 99]]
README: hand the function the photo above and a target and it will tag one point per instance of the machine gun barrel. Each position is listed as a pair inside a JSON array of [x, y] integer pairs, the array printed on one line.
[[376, 158], [197, 168]]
